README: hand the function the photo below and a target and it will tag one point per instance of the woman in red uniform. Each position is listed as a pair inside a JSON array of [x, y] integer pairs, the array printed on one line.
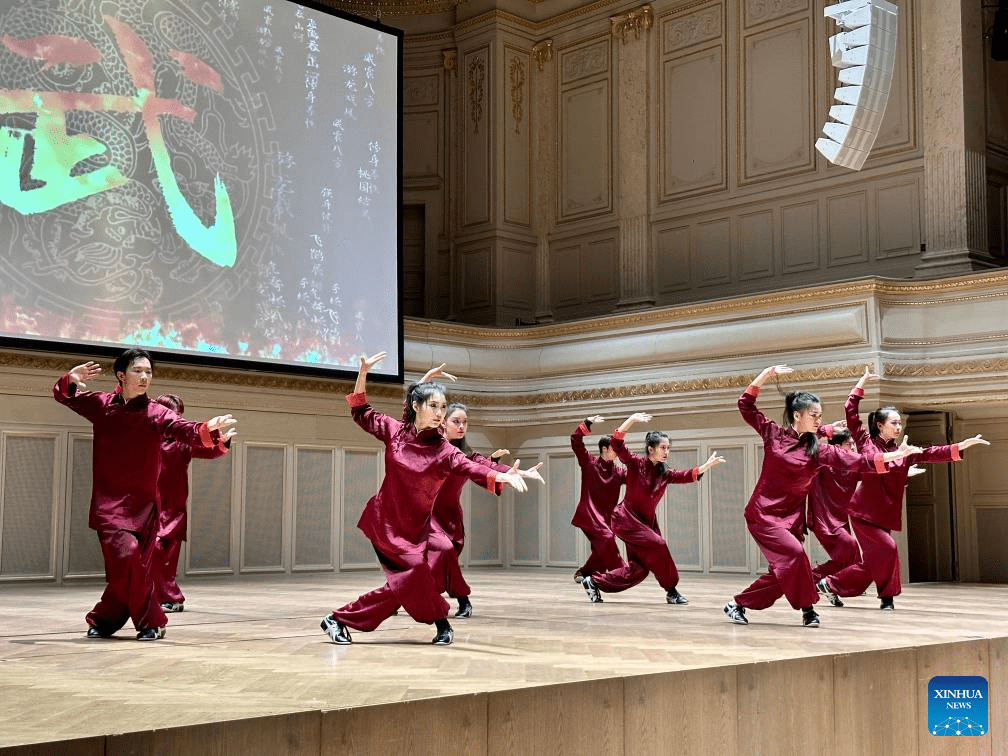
[[128, 432], [877, 507], [829, 498], [447, 528], [173, 489], [396, 520], [601, 481], [634, 519], [775, 514]]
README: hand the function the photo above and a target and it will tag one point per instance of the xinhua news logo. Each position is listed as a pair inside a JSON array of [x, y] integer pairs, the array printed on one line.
[[958, 706]]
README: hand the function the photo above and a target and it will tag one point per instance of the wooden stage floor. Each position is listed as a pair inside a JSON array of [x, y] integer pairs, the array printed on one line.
[[251, 649]]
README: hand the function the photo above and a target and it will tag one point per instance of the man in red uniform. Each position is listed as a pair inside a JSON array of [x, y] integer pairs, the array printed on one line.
[[601, 481], [128, 431], [173, 490]]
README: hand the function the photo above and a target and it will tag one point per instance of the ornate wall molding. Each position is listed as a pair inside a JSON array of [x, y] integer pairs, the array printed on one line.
[[636, 21], [517, 76], [475, 78], [542, 53], [450, 60], [686, 30]]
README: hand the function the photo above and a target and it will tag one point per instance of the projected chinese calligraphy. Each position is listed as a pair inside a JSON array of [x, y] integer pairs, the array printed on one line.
[[173, 176]]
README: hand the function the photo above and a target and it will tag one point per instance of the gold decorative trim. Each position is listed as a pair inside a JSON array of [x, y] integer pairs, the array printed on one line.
[[517, 91], [611, 393], [542, 53], [636, 20], [475, 77], [932, 370], [374, 9], [450, 60]]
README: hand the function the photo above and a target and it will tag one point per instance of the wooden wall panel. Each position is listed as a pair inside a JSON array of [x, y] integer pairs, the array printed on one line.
[[681, 524], [873, 693], [263, 513], [517, 137], [360, 483], [897, 219], [692, 147], [586, 179], [562, 498], [846, 229], [569, 720], [712, 253], [790, 700], [477, 93], [728, 497], [778, 119], [756, 247], [210, 515], [694, 712], [313, 507], [27, 507], [483, 530], [672, 259]]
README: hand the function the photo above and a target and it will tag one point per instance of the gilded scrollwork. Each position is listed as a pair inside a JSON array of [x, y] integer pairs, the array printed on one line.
[[475, 77], [636, 21]]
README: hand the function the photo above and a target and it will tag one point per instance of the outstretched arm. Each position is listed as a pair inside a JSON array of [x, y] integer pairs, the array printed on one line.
[[868, 376], [977, 439]]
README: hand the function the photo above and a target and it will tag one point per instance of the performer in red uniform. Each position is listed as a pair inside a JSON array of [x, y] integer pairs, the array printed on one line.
[[447, 528], [877, 507], [128, 432], [829, 497], [173, 489], [775, 514], [601, 481], [396, 520], [634, 519]]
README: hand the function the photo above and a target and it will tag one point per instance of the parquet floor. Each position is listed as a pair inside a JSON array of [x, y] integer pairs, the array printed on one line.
[[252, 646]]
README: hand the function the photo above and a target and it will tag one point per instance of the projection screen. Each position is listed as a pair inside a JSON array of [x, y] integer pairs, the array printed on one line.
[[219, 182]]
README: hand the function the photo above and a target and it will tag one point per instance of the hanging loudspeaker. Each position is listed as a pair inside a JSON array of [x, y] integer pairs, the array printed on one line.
[[864, 51]]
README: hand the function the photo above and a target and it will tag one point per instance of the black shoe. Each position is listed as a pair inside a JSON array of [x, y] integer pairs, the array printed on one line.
[[578, 578], [591, 589], [809, 618], [465, 608], [736, 613], [887, 604], [94, 632], [151, 634], [444, 637], [336, 630], [173, 606], [674, 597], [823, 587]]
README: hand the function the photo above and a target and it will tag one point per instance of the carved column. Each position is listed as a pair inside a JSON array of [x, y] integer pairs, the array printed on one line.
[[955, 165], [636, 278], [544, 190]]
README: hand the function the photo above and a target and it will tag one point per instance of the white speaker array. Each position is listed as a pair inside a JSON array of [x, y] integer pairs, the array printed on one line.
[[864, 51]]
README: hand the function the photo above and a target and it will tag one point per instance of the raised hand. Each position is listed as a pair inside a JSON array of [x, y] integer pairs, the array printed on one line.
[[81, 374], [596, 419], [500, 453], [228, 434], [437, 372], [868, 376], [366, 363]]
